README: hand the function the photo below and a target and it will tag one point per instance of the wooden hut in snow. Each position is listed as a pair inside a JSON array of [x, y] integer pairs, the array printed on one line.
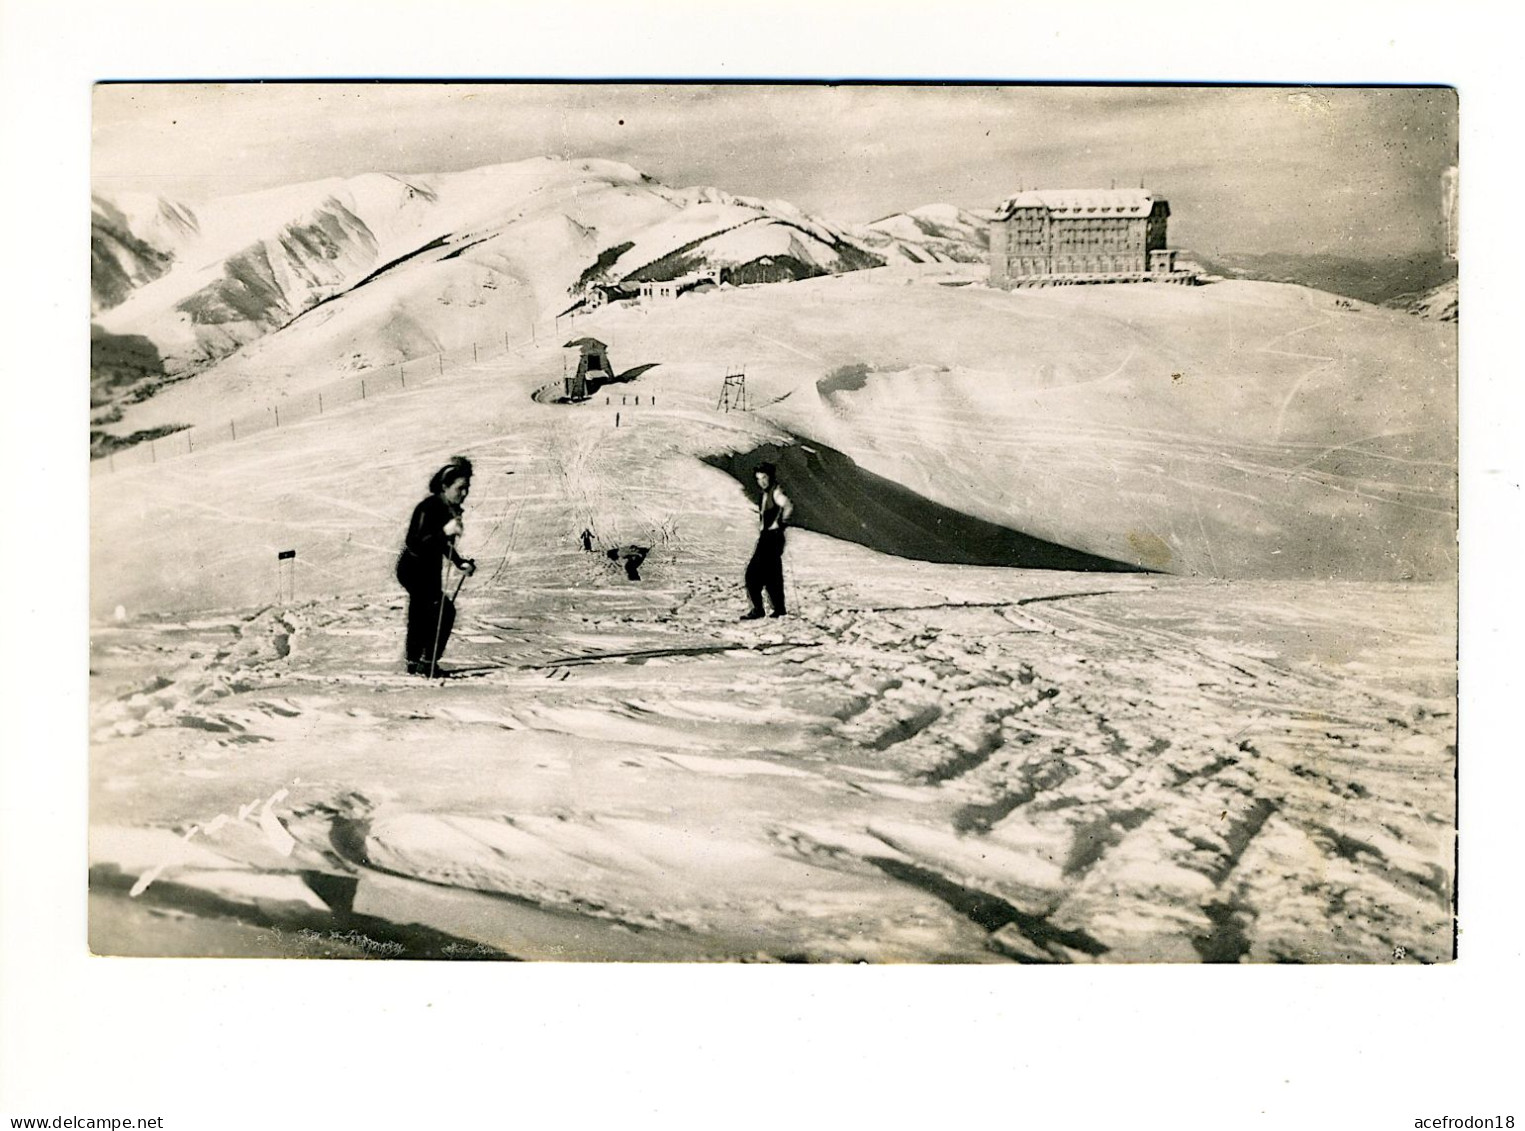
[[593, 367]]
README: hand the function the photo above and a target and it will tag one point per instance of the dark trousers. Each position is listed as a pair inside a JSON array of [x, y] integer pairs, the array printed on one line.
[[421, 579], [423, 618], [766, 571]]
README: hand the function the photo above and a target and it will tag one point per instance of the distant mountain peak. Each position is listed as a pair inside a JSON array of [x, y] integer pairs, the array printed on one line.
[[931, 233]]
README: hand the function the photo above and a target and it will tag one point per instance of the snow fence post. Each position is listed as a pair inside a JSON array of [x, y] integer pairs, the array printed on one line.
[[281, 558]]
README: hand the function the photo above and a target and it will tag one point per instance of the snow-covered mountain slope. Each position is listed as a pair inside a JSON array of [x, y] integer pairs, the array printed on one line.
[[1439, 304], [910, 730], [133, 241], [934, 233], [243, 268], [916, 747], [739, 239], [1235, 430], [262, 259]]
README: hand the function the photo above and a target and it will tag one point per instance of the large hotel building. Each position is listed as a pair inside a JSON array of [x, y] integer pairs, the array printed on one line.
[[1080, 235]]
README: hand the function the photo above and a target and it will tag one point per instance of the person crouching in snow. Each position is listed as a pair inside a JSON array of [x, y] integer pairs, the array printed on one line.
[[430, 541], [766, 569]]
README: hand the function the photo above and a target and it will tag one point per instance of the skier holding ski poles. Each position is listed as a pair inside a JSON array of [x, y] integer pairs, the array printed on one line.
[[429, 544]]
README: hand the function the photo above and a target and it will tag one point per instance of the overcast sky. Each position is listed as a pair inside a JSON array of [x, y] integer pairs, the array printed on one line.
[[1344, 171]]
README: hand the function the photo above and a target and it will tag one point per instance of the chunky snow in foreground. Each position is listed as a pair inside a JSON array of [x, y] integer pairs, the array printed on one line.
[[943, 764]]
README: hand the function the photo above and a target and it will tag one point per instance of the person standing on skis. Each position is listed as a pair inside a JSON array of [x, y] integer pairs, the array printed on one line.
[[766, 569], [430, 542]]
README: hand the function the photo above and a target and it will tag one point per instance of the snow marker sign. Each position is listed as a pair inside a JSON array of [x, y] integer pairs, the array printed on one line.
[[288, 591]]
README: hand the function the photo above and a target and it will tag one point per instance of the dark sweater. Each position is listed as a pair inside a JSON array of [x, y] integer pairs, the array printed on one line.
[[427, 544]]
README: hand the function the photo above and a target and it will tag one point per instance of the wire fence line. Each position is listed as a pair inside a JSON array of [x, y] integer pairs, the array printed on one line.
[[361, 385]]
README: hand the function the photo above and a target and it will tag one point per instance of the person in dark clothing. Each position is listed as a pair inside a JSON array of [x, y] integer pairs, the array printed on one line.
[[766, 569], [430, 542]]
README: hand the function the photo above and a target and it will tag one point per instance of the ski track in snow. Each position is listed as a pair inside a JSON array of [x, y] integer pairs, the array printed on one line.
[[1114, 776]]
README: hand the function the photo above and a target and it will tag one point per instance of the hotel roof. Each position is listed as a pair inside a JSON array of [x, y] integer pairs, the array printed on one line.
[[1082, 202]]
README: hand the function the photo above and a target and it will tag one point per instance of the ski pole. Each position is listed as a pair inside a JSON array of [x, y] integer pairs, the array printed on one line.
[[439, 623], [793, 591]]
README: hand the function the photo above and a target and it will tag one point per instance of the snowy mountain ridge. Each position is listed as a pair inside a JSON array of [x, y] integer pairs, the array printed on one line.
[[202, 284], [933, 233], [1438, 304]]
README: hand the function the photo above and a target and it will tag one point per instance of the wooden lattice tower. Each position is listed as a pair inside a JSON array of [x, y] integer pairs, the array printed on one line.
[[733, 393]]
